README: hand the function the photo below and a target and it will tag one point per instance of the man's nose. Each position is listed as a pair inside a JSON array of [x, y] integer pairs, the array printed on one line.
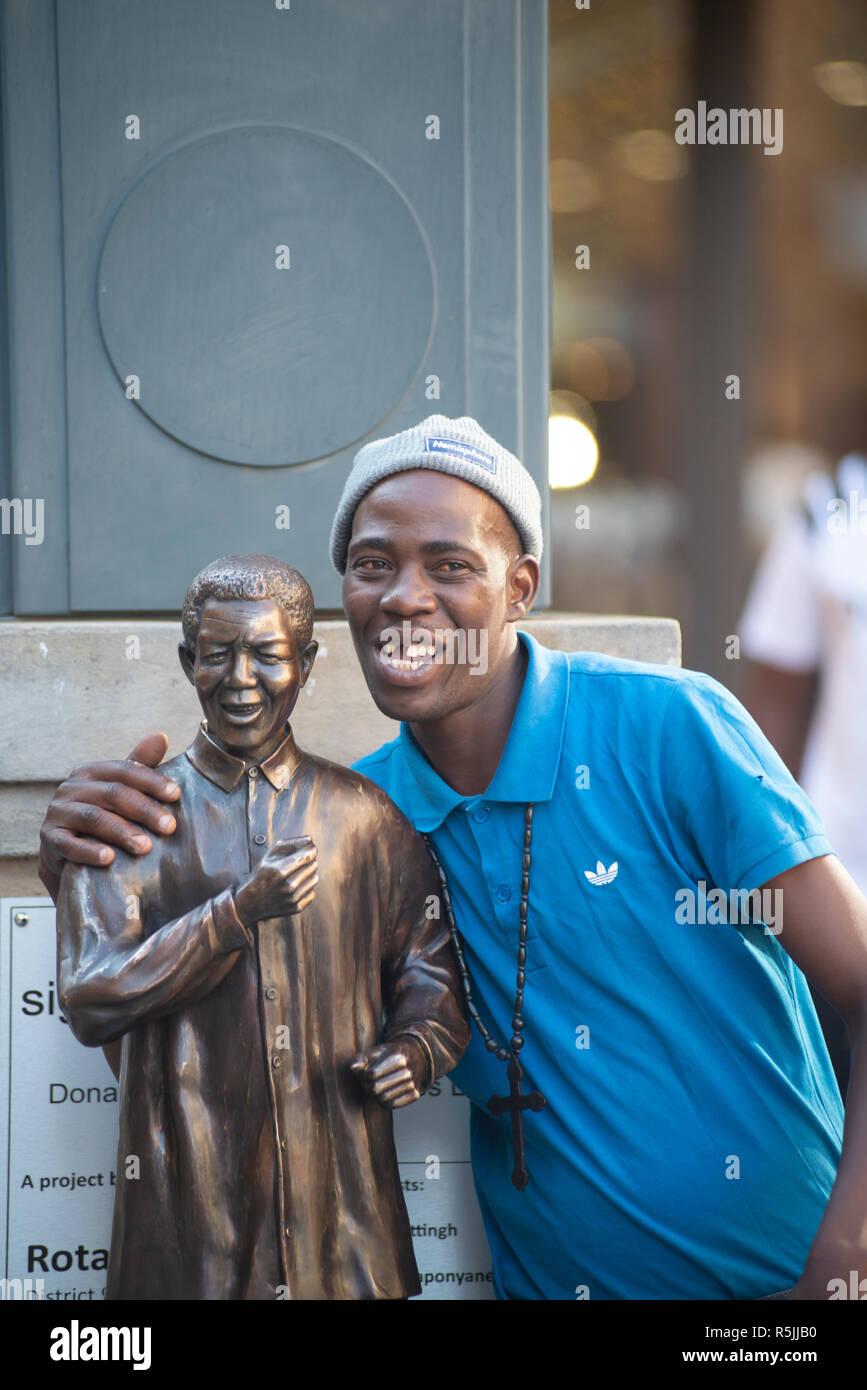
[[241, 671], [409, 592]]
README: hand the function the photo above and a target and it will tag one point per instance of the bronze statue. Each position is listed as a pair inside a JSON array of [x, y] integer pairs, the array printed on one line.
[[280, 977]]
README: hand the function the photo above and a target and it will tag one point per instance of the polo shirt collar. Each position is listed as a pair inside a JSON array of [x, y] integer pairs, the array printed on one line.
[[226, 771], [527, 770]]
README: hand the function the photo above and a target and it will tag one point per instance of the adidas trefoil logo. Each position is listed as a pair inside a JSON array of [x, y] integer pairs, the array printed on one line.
[[602, 875]]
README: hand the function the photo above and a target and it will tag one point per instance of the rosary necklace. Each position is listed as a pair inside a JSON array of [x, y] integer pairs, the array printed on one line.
[[514, 1104]]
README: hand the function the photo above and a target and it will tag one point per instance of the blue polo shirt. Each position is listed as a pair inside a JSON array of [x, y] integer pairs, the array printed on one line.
[[693, 1124]]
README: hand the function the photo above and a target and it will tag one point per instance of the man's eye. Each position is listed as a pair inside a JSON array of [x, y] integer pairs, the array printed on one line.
[[370, 563], [451, 567]]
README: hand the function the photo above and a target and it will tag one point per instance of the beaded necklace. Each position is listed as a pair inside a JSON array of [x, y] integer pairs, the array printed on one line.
[[515, 1103]]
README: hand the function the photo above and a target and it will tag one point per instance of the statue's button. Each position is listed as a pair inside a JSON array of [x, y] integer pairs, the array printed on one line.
[[252, 772], [283, 1145], [259, 839], [270, 992], [504, 893], [276, 1061]]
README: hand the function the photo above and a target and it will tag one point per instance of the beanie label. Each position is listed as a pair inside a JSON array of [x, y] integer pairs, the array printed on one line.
[[440, 444]]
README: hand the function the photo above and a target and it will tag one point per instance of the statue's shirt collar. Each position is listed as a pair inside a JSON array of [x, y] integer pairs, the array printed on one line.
[[226, 771]]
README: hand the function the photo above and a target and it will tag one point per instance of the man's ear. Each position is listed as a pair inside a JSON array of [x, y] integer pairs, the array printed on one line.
[[188, 662], [308, 656], [523, 586]]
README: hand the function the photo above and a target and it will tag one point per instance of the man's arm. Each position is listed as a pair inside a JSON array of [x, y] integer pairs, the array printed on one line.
[[825, 933], [101, 805]]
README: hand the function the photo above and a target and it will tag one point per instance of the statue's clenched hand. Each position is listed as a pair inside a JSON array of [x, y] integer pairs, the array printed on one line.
[[282, 883], [394, 1072]]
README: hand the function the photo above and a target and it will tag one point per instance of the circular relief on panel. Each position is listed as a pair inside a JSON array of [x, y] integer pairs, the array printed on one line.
[[241, 360]]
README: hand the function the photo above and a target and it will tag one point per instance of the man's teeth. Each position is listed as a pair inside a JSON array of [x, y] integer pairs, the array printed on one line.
[[415, 655]]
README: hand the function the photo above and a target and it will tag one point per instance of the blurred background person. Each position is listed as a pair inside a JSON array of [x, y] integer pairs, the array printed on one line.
[[804, 633]]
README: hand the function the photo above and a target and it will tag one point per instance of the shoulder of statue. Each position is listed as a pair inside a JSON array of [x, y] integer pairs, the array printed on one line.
[[369, 808], [177, 767], [341, 780]]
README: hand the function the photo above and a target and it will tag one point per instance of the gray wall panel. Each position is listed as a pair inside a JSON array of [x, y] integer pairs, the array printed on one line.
[[37, 425], [409, 257], [5, 462]]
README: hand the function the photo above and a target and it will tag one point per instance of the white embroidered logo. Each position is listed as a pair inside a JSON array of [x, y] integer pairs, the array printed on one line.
[[602, 875]]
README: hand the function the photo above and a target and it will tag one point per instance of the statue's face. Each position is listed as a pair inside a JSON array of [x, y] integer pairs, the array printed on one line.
[[248, 671], [430, 555]]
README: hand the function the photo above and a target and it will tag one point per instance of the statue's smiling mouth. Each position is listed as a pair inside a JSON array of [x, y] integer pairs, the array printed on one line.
[[242, 713]]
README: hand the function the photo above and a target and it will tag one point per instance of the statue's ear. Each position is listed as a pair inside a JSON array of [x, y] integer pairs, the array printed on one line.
[[308, 656], [188, 662]]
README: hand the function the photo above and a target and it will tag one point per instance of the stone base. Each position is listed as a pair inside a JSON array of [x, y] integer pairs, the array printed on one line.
[[75, 692]]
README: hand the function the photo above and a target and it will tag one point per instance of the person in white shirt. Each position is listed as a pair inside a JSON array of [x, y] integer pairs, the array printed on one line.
[[804, 630]]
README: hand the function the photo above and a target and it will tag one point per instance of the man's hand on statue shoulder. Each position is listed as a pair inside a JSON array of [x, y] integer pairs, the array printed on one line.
[[101, 805], [282, 883], [396, 1072]]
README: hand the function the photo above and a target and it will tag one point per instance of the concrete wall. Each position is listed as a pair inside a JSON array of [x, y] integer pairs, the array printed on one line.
[[73, 692]]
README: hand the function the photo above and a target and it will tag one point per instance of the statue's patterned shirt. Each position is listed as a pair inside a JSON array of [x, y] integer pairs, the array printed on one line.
[[263, 1170]]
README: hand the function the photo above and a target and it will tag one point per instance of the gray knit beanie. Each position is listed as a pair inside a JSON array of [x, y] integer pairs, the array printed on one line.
[[460, 447]]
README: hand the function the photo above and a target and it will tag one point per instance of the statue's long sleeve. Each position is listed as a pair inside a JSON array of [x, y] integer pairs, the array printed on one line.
[[111, 975], [421, 986]]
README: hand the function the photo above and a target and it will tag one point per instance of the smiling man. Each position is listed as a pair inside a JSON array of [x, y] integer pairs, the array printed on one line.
[[276, 981], [668, 1125]]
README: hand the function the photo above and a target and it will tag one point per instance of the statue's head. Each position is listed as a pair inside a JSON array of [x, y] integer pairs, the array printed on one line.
[[247, 648]]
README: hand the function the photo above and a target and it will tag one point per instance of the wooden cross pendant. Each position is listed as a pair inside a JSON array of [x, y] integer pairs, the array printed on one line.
[[514, 1103]]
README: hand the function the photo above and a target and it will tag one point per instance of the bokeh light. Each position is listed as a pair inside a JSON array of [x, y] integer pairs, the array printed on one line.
[[845, 83], [572, 452], [653, 155]]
